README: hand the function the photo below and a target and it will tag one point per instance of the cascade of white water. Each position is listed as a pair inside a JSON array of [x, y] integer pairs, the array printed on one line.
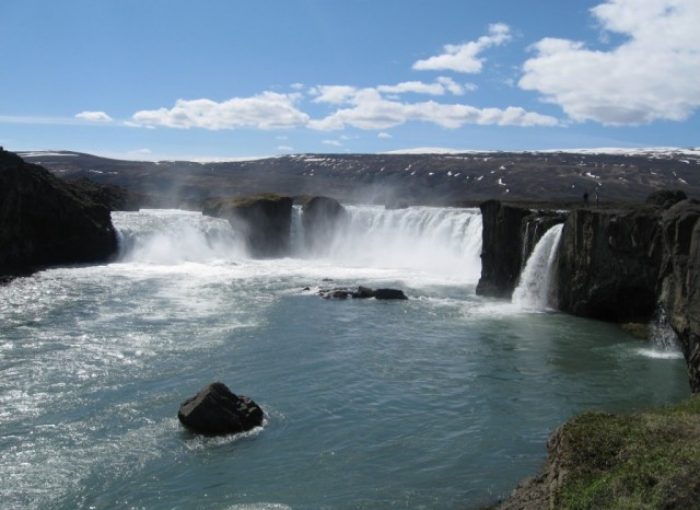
[[533, 290], [661, 334], [446, 240], [162, 236]]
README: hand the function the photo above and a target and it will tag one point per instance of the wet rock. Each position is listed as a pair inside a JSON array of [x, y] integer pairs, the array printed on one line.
[[263, 220], [45, 221], [215, 410], [609, 263], [389, 294], [679, 281], [362, 293], [321, 217], [502, 248]]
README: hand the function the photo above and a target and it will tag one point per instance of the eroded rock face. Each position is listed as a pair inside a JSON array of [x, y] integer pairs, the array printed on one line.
[[679, 280], [45, 221], [609, 264], [321, 217], [263, 220], [502, 247], [215, 410]]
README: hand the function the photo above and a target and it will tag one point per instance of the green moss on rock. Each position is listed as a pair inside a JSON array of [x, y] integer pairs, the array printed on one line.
[[646, 460]]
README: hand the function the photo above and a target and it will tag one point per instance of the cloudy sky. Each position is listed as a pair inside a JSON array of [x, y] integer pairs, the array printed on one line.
[[223, 78]]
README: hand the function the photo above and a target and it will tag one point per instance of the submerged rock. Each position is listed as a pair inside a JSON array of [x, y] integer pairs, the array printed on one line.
[[263, 220], [215, 410], [45, 221]]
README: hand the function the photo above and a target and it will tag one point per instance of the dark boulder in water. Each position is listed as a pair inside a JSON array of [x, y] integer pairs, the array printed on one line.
[[216, 411], [45, 221], [263, 220], [362, 293], [389, 294]]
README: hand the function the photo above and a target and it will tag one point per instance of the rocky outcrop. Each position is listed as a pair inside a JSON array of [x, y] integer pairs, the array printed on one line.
[[215, 410], [321, 217], [597, 460], [45, 221], [510, 233], [679, 280], [362, 293], [113, 198], [263, 220], [609, 264], [502, 246], [666, 198]]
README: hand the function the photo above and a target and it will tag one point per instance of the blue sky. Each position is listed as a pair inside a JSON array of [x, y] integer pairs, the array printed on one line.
[[223, 78]]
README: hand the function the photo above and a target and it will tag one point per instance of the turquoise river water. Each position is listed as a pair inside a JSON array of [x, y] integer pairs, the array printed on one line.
[[442, 401]]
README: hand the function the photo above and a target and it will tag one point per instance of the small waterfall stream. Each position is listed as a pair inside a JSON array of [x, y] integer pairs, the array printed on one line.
[[533, 290]]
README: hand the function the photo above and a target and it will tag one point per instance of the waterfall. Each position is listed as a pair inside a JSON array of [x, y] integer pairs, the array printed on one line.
[[432, 240], [533, 290], [662, 336], [164, 236], [435, 239]]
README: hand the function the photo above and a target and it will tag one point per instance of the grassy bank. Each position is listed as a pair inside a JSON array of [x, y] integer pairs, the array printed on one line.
[[648, 460]]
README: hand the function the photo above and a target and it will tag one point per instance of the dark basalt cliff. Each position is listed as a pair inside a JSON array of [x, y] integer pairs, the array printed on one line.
[[502, 246], [679, 280], [45, 221], [609, 264], [263, 220], [510, 233], [321, 217], [612, 264]]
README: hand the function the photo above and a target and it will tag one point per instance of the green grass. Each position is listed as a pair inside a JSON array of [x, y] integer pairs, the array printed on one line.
[[646, 460]]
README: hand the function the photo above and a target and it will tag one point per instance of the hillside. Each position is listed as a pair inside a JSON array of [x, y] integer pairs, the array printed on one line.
[[464, 178]]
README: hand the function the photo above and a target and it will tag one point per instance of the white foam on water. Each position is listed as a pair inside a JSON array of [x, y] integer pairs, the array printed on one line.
[[168, 237], [259, 506], [659, 354]]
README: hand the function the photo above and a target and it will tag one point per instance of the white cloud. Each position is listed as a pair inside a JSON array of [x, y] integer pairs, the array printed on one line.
[[333, 94], [654, 74], [94, 116], [334, 143], [297, 86], [464, 58], [384, 135], [369, 110], [285, 148], [268, 110], [416, 87]]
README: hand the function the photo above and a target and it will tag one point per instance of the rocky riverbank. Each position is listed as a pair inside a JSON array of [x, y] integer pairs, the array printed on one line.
[[45, 221], [646, 460]]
